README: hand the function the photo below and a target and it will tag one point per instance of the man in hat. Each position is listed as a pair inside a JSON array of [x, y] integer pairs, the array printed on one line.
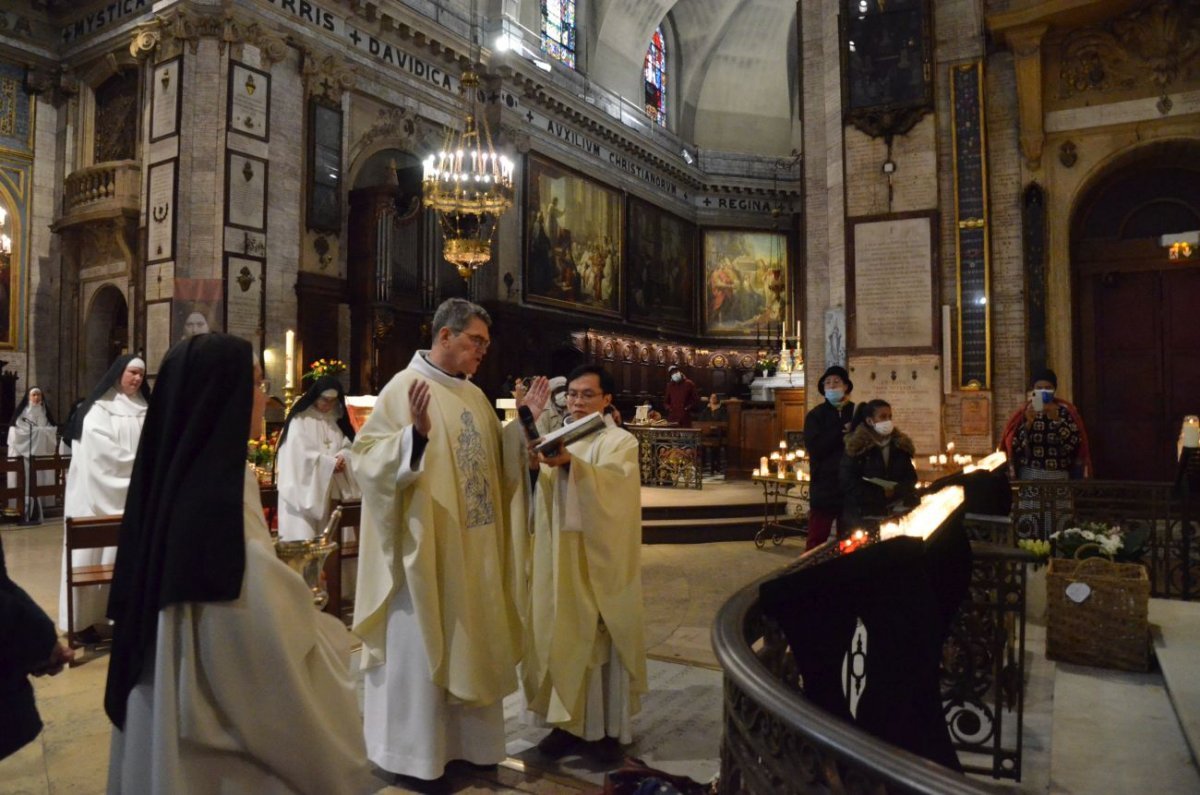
[[441, 557], [824, 429], [681, 397], [313, 458], [1045, 438]]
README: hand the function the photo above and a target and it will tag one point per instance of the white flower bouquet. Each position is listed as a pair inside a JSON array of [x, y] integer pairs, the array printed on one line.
[[1092, 539]]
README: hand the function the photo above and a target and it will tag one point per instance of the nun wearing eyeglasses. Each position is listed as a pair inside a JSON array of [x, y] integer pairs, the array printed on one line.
[[104, 440], [224, 678], [312, 466]]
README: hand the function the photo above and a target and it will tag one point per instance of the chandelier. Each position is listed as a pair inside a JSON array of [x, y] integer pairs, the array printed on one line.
[[469, 186]]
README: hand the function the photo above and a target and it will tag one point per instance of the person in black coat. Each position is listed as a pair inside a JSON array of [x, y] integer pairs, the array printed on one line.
[[876, 450], [824, 428], [28, 645]]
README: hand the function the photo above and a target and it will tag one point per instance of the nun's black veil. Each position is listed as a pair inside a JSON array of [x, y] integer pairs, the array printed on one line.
[[110, 379], [310, 397], [182, 538], [25, 402]]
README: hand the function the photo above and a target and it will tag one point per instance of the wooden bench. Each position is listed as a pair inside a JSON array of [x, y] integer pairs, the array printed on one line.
[[347, 550], [87, 532], [57, 488], [12, 498]]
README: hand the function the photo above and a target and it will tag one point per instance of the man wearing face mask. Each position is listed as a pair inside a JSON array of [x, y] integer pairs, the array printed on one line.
[[824, 428], [556, 409], [876, 455], [681, 397], [1045, 438]]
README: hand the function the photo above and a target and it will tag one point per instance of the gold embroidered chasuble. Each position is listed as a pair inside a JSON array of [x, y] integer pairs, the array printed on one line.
[[453, 532]]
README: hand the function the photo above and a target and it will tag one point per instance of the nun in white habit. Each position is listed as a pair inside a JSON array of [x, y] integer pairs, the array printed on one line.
[[33, 432], [224, 678], [312, 466], [104, 440]]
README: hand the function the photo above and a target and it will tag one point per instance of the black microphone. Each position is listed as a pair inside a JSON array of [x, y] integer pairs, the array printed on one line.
[[527, 422]]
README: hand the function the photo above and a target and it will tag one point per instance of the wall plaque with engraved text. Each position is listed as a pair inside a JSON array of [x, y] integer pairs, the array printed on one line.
[[249, 101], [889, 280], [160, 211], [244, 299], [246, 192], [167, 93], [913, 387]]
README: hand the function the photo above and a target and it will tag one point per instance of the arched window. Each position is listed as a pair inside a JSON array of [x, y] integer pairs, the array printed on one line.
[[655, 70], [558, 30]]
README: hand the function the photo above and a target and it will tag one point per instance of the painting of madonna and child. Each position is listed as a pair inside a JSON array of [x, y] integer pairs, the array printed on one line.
[[573, 240], [745, 277]]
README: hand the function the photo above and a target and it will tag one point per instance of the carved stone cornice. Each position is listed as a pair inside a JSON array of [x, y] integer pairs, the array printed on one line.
[[397, 127], [166, 35], [1153, 48], [325, 75]]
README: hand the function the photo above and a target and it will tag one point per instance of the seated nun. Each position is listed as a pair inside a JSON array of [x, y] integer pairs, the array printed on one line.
[[312, 465], [224, 678], [104, 436], [33, 432]]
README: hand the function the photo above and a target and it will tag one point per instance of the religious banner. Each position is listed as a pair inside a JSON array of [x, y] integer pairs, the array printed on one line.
[[572, 240], [889, 284], [661, 251], [249, 101], [197, 308], [913, 387], [745, 282]]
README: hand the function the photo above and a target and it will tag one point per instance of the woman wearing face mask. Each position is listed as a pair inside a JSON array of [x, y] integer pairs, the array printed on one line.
[[1045, 438], [552, 418], [824, 428], [681, 397], [876, 455]]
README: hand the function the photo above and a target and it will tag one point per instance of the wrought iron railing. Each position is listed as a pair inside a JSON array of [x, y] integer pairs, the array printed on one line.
[[668, 456], [1172, 557], [776, 741]]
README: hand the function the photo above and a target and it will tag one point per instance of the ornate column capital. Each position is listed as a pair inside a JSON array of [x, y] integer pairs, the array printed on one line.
[[325, 75]]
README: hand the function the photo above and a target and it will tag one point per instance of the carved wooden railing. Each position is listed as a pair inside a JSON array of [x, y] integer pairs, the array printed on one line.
[[114, 187], [775, 741]]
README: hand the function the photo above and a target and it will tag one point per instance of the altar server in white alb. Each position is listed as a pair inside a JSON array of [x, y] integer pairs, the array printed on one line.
[[584, 668], [312, 466], [440, 571], [33, 432], [223, 678], [104, 439]]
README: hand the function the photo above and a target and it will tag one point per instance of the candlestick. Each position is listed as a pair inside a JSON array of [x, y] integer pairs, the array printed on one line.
[[288, 356]]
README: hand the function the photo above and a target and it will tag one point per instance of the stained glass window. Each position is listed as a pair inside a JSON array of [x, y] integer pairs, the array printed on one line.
[[558, 30], [656, 78]]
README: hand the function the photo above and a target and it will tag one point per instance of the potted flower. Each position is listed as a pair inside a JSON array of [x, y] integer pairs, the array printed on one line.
[[1094, 539], [323, 367], [767, 364], [260, 453]]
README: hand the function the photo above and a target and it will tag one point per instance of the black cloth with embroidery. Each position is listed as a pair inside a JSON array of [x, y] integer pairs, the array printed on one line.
[[310, 397], [905, 592]]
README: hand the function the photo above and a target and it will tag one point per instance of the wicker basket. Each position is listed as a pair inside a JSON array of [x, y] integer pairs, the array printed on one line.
[[1108, 629]]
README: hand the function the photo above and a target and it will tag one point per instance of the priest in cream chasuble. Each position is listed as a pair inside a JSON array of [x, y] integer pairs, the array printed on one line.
[[584, 666], [441, 575]]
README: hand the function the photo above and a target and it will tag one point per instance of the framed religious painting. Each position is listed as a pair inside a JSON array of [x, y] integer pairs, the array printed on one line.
[[660, 253], [887, 56], [573, 237], [745, 282]]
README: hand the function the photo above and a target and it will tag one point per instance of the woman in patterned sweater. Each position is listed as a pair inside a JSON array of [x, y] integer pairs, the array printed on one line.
[[1045, 439]]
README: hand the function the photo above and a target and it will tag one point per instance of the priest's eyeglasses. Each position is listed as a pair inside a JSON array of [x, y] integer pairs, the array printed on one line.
[[586, 394], [481, 343]]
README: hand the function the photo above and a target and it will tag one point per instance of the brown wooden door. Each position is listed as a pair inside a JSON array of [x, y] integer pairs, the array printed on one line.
[[1140, 368]]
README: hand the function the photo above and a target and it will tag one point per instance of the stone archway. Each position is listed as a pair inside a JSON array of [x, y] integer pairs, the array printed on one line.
[[1137, 342], [105, 334]]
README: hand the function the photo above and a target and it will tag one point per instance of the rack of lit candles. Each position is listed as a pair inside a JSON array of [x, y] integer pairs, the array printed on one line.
[[785, 464]]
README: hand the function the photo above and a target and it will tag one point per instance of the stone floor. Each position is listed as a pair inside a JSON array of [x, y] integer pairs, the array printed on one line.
[[1086, 730], [684, 586]]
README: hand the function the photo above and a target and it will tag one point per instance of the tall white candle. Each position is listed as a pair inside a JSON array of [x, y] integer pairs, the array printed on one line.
[[288, 357], [1191, 431]]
